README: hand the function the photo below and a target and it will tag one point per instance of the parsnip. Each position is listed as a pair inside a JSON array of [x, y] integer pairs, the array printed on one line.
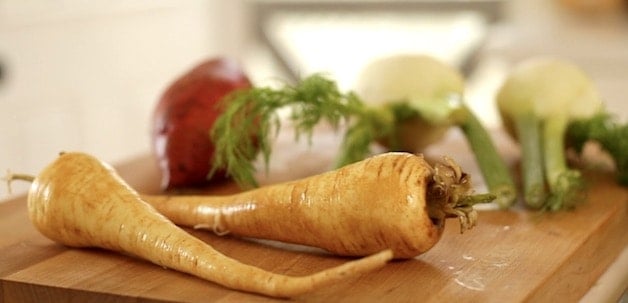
[[390, 201], [80, 201]]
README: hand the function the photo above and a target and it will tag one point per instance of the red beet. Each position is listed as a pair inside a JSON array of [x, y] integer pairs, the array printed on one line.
[[184, 117]]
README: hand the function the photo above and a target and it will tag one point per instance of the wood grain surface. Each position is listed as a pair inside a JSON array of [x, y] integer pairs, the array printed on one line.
[[511, 256]]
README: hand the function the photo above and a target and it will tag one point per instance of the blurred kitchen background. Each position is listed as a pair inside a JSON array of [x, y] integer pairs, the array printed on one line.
[[85, 75]]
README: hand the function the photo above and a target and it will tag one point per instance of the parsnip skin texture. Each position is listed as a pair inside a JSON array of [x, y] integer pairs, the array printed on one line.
[[79, 201], [362, 208]]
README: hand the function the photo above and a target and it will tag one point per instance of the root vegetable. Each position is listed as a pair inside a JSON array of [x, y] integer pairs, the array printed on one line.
[[184, 116], [391, 201], [79, 201]]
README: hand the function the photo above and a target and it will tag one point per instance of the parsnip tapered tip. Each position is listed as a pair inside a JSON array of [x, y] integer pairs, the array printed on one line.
[[366, 264], [305, 284], [376, 260], [385, 255]]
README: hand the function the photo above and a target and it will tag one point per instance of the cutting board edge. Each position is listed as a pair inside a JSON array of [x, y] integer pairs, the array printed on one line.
[[613, 241], [19, 291]]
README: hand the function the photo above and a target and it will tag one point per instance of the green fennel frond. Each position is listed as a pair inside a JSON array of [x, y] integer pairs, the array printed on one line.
[[609, 133], [568, 191], [250, 121], [369, 125]]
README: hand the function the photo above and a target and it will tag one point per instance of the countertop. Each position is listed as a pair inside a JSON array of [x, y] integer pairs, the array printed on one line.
[[516, 255]]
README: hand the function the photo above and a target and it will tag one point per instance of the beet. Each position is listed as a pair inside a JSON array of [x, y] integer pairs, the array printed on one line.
[[183, 118]]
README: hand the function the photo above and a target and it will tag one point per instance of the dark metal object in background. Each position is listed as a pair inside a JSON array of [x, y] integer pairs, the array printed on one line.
[[492, 9]]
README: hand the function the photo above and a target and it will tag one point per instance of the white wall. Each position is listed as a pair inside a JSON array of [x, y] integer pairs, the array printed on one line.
[[85, 75]]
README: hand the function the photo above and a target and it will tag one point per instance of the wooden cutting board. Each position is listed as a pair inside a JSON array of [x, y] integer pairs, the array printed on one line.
[[511, 256]]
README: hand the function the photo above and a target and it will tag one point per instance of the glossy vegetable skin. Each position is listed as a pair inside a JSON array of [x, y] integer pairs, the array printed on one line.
[[391, 201], [80, 201], [184, 116]]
